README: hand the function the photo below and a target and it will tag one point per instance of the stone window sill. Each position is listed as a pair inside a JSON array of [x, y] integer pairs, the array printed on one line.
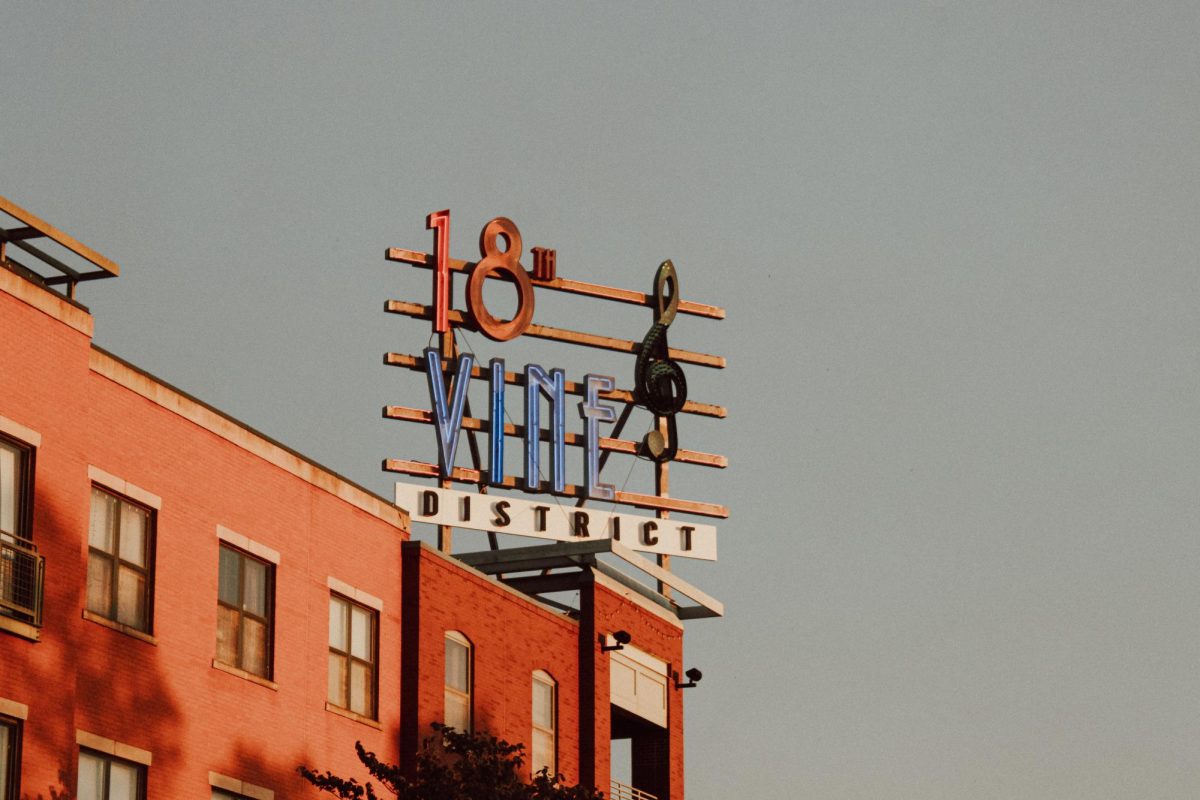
[[348, 714], [22, 629], [250, 676], [92, 616]]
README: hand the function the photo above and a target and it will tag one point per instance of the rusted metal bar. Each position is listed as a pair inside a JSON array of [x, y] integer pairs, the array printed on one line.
[[49, 259], [87, 276], [419, 259], [473, 476], [473, 424], [15, 234], [69, 242], [420, 311], [417, 364]]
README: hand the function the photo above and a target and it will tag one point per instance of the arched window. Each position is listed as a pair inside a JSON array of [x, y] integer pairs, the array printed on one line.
[[457, 708], [544, 750]]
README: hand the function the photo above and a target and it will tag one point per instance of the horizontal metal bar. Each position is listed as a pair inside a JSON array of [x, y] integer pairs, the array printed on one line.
[[548, 556], [420, 311], [419, 259], [540, 584], [49, 259], [69, 242], [14, 234], [540, 556], [473, 476], [417, 364], [87, 276], [409, 414], [697, 612]]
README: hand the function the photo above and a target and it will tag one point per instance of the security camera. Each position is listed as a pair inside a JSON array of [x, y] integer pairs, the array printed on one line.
[[694, 675], [621, 638]]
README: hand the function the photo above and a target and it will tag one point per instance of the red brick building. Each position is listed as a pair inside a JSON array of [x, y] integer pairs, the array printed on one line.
[[189, 609]]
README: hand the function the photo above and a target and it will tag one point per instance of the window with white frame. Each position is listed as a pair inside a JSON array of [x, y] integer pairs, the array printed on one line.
[[353, 655], [102, 777], [120, 560], [544, 750], [457, 706]]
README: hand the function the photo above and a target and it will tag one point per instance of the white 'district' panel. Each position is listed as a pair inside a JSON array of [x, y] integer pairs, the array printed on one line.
[[638, 684], [546, 519]]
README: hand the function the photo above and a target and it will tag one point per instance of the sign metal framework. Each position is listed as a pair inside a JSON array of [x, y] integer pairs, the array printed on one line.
[[659, 387]]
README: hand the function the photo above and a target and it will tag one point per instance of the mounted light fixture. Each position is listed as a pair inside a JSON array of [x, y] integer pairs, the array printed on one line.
[[621, 638], [694, 675]]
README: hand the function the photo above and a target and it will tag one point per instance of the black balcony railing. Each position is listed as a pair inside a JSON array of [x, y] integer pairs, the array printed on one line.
[[22, 571]]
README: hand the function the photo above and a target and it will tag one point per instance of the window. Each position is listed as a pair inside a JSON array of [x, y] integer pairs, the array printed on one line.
[[352, 656], [457, 707], [244, 610], [221, 794], [120, 552], [10, 758], [15, 484], [545, 723], [20, 565], [103, 777]]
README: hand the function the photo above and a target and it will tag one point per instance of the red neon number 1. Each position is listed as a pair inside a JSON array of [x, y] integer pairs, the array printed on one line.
[[439, 221]]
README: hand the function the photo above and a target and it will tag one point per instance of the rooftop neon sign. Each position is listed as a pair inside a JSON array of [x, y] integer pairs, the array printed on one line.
[[659, 387]]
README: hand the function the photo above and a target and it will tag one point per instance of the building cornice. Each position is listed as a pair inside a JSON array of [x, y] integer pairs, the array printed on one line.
[[231, 430]]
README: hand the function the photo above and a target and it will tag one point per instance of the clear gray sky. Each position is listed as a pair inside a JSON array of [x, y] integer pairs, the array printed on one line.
[[958, 247]]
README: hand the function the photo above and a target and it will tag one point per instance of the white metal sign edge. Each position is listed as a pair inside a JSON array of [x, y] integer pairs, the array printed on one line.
[[549, 520]]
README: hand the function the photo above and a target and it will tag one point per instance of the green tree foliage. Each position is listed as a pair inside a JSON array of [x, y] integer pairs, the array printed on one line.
[[453, 765]]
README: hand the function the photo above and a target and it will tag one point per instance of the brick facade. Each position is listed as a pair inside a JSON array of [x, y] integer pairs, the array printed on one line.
[[161, 694]]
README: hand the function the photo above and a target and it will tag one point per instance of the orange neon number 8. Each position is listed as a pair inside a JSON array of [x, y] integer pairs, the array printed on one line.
[[504, 264]]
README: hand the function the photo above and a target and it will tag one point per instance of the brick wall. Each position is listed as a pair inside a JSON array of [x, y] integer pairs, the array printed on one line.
[[164, 696], [510, 636]]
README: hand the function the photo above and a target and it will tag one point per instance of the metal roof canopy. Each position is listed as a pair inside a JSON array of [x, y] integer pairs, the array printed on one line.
[[586, 555], [33, 227]]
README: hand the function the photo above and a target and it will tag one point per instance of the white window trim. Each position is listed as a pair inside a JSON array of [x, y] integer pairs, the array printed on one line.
[[102, 744], [469, 694], [357, 595], [546, 679], [219, 781], [249, 545], [18, 431], [135, 493]]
